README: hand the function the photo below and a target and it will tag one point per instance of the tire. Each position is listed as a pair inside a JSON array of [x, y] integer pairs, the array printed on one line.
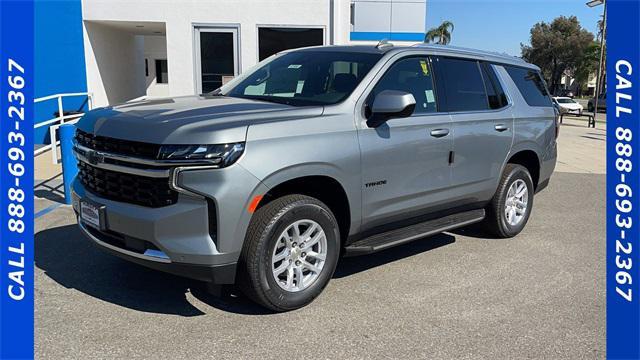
[[497, 221], [266, 240]]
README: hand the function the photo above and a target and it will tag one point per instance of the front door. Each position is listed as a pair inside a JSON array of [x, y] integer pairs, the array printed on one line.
[[216, 57], [405, 162]]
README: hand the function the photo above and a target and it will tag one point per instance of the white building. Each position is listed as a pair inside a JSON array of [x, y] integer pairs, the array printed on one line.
[[137, 48]]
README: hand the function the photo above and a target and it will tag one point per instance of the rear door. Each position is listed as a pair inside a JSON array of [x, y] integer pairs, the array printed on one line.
[[482, 126]]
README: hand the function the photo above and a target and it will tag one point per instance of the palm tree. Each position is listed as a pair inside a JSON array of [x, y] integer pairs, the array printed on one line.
[[442, 33], [600, 27]]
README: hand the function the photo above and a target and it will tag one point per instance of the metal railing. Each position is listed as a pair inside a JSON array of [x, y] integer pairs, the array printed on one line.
[[61, 119], [591, 118]]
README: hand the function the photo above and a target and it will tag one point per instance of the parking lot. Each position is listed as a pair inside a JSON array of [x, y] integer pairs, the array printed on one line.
[[455, 295]]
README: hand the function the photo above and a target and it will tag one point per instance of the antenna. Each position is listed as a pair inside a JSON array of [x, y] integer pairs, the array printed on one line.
[[383, 44]]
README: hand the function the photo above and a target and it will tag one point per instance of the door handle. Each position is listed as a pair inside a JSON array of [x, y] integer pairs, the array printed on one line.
[[501, 127], [438, 133]]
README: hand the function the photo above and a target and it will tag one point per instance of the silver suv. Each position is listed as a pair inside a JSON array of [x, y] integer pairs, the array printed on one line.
[[316, 153]]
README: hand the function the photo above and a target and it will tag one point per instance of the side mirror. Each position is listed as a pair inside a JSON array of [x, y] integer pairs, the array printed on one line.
[[390, 104]]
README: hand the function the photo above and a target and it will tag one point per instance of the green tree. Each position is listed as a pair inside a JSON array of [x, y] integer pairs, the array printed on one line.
[[557, 48], [587, 65], [441, 34]]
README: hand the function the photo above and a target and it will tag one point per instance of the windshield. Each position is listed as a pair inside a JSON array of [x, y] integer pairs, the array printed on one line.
[[566, 101], [303, 78]]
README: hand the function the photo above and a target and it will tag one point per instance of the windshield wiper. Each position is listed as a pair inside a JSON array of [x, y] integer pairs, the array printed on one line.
[[215, 92], [272, 99]]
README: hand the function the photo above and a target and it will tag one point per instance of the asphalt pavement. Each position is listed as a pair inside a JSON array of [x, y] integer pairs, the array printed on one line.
[[451, 296]]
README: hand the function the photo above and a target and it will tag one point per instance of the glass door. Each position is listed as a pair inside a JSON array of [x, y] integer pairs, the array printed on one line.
[[216, 57]]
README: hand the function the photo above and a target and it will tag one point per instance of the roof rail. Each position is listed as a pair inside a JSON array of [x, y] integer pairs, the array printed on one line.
[[463, 50]]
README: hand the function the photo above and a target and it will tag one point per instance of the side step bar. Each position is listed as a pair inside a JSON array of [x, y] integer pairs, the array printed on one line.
[[403, 235]]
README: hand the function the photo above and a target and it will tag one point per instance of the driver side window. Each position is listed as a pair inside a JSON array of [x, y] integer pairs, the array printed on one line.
[[412, 75]]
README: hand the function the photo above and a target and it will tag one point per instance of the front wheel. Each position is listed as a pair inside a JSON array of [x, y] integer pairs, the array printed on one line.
[[509, 210], [290, 252]]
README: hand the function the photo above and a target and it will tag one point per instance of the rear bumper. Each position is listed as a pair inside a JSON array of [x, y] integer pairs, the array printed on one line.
[[547, 166]]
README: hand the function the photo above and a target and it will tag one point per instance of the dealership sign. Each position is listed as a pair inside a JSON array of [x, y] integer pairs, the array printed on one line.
[[623, 181], [16, 179]]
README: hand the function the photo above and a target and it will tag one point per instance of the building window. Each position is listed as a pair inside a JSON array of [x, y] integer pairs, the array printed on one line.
[[217, 57], [162, 74], [274, 40]]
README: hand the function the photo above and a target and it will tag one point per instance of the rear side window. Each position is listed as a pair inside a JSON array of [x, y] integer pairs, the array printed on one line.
[[463, 85], [531, 86], [495, 93]]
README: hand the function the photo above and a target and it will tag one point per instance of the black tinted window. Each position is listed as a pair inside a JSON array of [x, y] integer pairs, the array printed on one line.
[[273, 40], [463, 85], [412, 75], [495, 94], [531, 86]]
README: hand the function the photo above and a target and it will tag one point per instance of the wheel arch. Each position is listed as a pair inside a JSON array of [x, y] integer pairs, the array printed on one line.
[[319, 182], [530, 160]]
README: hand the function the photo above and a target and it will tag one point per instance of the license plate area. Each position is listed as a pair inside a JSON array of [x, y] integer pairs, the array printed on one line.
[[92, 214]]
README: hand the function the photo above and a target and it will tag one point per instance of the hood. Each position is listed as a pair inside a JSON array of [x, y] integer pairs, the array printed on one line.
[[188, 120]]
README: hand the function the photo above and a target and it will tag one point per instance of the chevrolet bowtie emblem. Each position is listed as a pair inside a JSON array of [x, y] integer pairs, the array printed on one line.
[[94, 157]]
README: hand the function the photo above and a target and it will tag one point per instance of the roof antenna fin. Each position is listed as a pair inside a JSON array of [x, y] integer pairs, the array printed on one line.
[[383, 44]]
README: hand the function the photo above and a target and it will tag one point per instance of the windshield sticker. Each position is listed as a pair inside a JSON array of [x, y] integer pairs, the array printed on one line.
[[429, 95]]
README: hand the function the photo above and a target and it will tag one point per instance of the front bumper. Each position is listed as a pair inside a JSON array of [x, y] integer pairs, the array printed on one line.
[[200, 236], [157, 260], [572, 111]]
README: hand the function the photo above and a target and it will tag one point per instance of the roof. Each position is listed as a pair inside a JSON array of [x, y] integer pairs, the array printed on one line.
[[370, 49], [431, 48]]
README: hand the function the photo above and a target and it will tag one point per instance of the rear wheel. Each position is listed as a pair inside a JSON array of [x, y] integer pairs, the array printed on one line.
[[509, 210], [290, 252]]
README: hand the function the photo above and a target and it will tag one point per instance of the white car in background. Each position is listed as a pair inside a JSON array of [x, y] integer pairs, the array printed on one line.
[[567, 105]]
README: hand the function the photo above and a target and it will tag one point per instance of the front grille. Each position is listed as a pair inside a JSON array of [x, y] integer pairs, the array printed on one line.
[[118, 146], [129, 188]]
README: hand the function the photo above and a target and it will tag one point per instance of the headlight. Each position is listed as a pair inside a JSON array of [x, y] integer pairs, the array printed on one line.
[[221, 154]]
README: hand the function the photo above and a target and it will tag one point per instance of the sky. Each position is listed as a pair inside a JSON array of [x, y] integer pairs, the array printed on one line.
[[501, 25]]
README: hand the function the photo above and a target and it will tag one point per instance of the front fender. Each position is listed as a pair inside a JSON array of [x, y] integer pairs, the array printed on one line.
[[351, 186]]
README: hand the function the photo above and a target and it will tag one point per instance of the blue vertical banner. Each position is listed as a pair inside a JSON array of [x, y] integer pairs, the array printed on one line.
[[16, 179], [623, 182]]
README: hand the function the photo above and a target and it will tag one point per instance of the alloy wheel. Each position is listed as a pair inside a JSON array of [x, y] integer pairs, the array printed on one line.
[[299, 255], [515, 207]]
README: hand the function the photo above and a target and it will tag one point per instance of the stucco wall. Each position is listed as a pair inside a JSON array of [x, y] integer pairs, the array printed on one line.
[[155, 48], [181, 17], [113, 60]]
